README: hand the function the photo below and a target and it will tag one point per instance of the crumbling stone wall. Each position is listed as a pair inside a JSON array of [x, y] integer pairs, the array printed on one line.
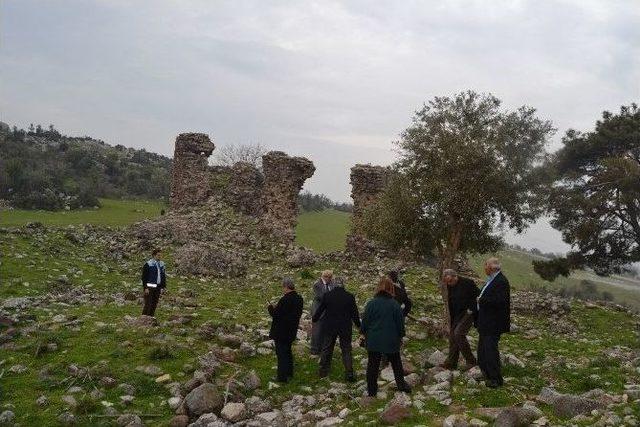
[[190, 174], [367, 182], [245, 191], [284, 177], [271, 194]]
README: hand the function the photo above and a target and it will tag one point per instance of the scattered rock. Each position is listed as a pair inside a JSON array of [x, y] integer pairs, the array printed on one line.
[[393, 414], [204, 399], [234, 412]]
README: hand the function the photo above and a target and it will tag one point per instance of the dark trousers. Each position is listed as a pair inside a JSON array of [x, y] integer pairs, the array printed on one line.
[[151, 302], [317, 337], [489, 358], [373, 370], [458, 342], [327, 351], [285, 360]]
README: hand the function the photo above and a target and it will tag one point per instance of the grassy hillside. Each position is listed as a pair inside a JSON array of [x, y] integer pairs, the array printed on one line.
[[74, 331], [323, 231], [112, 213]]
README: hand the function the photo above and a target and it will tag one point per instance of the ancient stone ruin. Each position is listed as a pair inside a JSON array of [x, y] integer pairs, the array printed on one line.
[[190, 173], [270, 195], [367, 182], [284, 177]]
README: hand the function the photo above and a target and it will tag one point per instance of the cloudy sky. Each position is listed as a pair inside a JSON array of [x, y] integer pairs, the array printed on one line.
[[333, 81]]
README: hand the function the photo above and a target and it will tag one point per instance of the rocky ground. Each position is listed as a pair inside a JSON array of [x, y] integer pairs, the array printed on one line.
[[74, 350]]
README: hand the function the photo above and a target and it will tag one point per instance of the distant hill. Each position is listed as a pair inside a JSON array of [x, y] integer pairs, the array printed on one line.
[[44, 169]]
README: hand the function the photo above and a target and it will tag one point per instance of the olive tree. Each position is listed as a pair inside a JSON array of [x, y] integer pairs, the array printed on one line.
[[466, 169]]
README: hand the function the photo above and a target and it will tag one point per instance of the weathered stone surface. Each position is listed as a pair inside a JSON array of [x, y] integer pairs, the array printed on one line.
[[395, 413], [515, 417], [203, 399], [568, 406], [367, 182], [190, 173], [234, 412], [284, 177], [205, 259], [179, 421], [245, 189]]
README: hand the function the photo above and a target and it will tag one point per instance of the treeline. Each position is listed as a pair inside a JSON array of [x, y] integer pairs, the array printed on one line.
[[40, 168], [318, 202]]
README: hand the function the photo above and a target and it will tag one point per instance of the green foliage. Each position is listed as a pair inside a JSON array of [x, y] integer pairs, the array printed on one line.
[[465, 165], [595, 199], [549, 270], [42, 169]]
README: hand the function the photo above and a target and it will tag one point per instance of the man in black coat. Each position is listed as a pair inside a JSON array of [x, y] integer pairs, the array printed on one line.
[[462, 294], [494, 319], [154, 282], [340, 310], [284, 327], [401, 292]]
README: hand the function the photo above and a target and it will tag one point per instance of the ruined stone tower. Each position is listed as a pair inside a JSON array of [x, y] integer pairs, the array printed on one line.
[[190, 173], [367, 182], [284, 177]]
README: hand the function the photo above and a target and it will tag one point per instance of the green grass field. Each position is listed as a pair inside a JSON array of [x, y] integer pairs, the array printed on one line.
[[324, 231], [112, 213]]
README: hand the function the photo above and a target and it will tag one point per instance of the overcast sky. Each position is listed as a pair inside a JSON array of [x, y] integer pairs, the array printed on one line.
[[333, 81]]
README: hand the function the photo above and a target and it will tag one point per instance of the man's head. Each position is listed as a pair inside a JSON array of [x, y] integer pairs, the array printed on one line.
[[326, 276], [288, 285], [156, 254], [491, 265], [449, 277]]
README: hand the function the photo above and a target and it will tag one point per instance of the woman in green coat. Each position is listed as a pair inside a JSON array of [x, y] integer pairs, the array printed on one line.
[[383, 328]]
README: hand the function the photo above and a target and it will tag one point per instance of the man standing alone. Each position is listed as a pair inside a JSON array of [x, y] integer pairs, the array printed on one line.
[[284, 327], [154, 282], [462, 310], [341, 309], [321, 287], [494, 319]]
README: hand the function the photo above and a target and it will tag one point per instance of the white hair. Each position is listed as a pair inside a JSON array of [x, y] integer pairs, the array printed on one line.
[[493, 262]]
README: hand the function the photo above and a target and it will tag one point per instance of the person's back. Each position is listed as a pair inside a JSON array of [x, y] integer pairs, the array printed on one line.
[[286, 317], [340, 309], [383, 328], [383, 324]]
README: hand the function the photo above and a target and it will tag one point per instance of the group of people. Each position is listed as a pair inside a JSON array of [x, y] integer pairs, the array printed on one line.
[[382, 325], [334, 312]]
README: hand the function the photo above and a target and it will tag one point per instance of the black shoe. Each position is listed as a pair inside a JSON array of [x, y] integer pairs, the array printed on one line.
[[350, 378], [492, 384], [405, 388]]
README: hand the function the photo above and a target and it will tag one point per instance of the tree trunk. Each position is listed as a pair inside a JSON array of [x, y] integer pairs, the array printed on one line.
[[447, 255]]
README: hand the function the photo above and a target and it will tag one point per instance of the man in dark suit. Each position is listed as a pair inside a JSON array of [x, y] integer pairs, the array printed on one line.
[[401, 292], [340, 310], [462, 303], [154, 282], [320, 287], [284, 327], [494, 319]]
